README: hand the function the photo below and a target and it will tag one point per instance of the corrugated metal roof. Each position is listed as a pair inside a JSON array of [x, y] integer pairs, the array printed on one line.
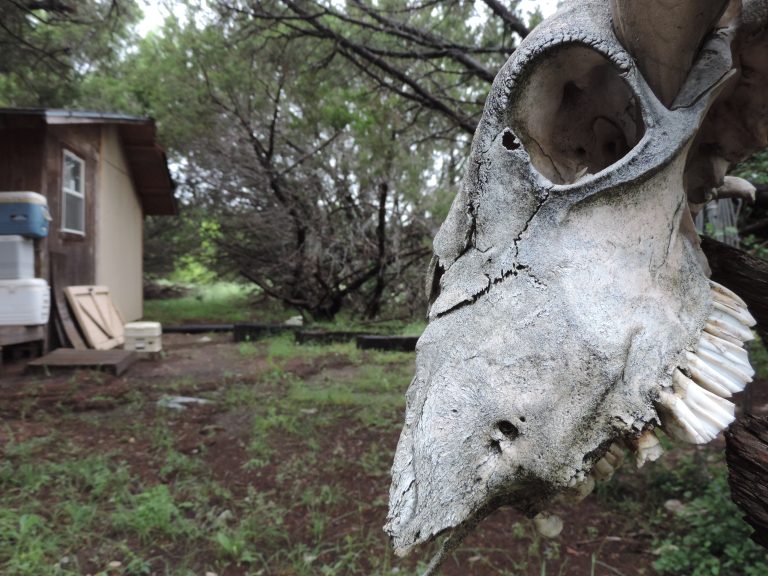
[[147, 160]]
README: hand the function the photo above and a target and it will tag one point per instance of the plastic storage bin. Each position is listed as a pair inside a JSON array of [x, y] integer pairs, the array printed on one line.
[[24, 302], [143, 336], [17, 258], [24, 213]]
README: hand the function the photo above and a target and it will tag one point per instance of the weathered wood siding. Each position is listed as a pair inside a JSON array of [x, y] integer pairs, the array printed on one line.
[[76, 253], [21, 154], [119, 228]]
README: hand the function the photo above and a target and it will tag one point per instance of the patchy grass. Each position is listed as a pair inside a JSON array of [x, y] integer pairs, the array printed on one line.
[[286, 472], [223, 303]]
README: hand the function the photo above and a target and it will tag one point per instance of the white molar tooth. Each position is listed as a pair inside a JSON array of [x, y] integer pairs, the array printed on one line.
[[618, 452], [678, 420], [710, 408], [737, 369], [603, 470], [741, 314], [729, 350], [577, 490], [614, 456], [722, 290], [710, 328], [727, 300], [702, 370], [611, 459], [585, 488], [647, 448], [730, 324], [709, 383], [548, 525]]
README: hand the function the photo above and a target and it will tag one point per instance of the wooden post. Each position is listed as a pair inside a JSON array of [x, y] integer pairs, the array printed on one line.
[[747, 457]]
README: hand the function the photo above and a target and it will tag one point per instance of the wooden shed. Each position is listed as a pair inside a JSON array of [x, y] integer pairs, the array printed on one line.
[[116, 175]]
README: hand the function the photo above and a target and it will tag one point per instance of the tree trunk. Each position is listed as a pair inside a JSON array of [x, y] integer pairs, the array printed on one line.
[[374, 303]]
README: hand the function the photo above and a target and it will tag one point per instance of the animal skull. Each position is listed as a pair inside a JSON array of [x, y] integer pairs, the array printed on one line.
[[571, 311]]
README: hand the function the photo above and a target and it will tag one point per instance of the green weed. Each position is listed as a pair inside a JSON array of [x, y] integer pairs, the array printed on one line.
[[708, 537], [151, 513]]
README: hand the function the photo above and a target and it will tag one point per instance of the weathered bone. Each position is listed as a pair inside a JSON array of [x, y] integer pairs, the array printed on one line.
[[647, 448], [664, 37], [570, 308], [735, 187]]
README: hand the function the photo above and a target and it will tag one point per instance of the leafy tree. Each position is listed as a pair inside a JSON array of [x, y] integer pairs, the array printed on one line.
[[50, 46], [318, 196]]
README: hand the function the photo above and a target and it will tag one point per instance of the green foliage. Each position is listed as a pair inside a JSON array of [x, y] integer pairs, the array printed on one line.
[[758, 357], [708, 537], [151, 514], [755, 169], [49, 54], [222, 302]]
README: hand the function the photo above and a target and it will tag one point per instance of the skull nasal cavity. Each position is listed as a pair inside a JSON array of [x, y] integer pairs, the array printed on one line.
[[508, 429], [576, 115]]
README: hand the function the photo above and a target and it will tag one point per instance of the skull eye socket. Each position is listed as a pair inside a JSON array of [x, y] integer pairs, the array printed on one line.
[[575, 114]]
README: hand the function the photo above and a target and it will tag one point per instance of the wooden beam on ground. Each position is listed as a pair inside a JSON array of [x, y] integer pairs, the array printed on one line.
[[197, 328], [248, 332], [320, 337], [390, 343], [66, 359]]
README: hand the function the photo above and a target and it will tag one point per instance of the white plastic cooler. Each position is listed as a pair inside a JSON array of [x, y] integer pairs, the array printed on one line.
[[25, 302], [143, 336], [17, 257]]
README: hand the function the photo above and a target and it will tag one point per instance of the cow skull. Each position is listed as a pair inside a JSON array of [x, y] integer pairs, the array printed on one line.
[[571, 311]]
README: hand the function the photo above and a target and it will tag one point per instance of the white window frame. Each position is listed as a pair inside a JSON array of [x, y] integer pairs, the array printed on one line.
[[69, 191]]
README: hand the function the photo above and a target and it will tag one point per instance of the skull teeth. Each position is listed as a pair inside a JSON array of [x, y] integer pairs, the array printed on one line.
[[737, 312], [692, 413], [647, 448], [729, 324], [696, 409], [720, 291], [716, 377], [736, 369], [725, 348], [719, 332], [608, 464]]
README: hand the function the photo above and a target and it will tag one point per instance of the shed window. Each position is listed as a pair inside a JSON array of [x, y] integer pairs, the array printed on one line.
[[73, 194]]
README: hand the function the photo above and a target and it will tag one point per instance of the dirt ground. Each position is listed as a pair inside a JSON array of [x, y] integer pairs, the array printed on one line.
[[318, 456]]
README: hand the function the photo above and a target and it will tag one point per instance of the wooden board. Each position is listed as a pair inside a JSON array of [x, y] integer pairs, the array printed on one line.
[[63, 322], [319, 337], [10, 335], [197, 328], [390, 343], [99, 319], [249, 332], [747, 456], [113, 361]]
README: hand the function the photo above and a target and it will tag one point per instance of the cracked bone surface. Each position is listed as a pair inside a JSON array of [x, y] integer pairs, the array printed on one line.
[[571, 310]]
